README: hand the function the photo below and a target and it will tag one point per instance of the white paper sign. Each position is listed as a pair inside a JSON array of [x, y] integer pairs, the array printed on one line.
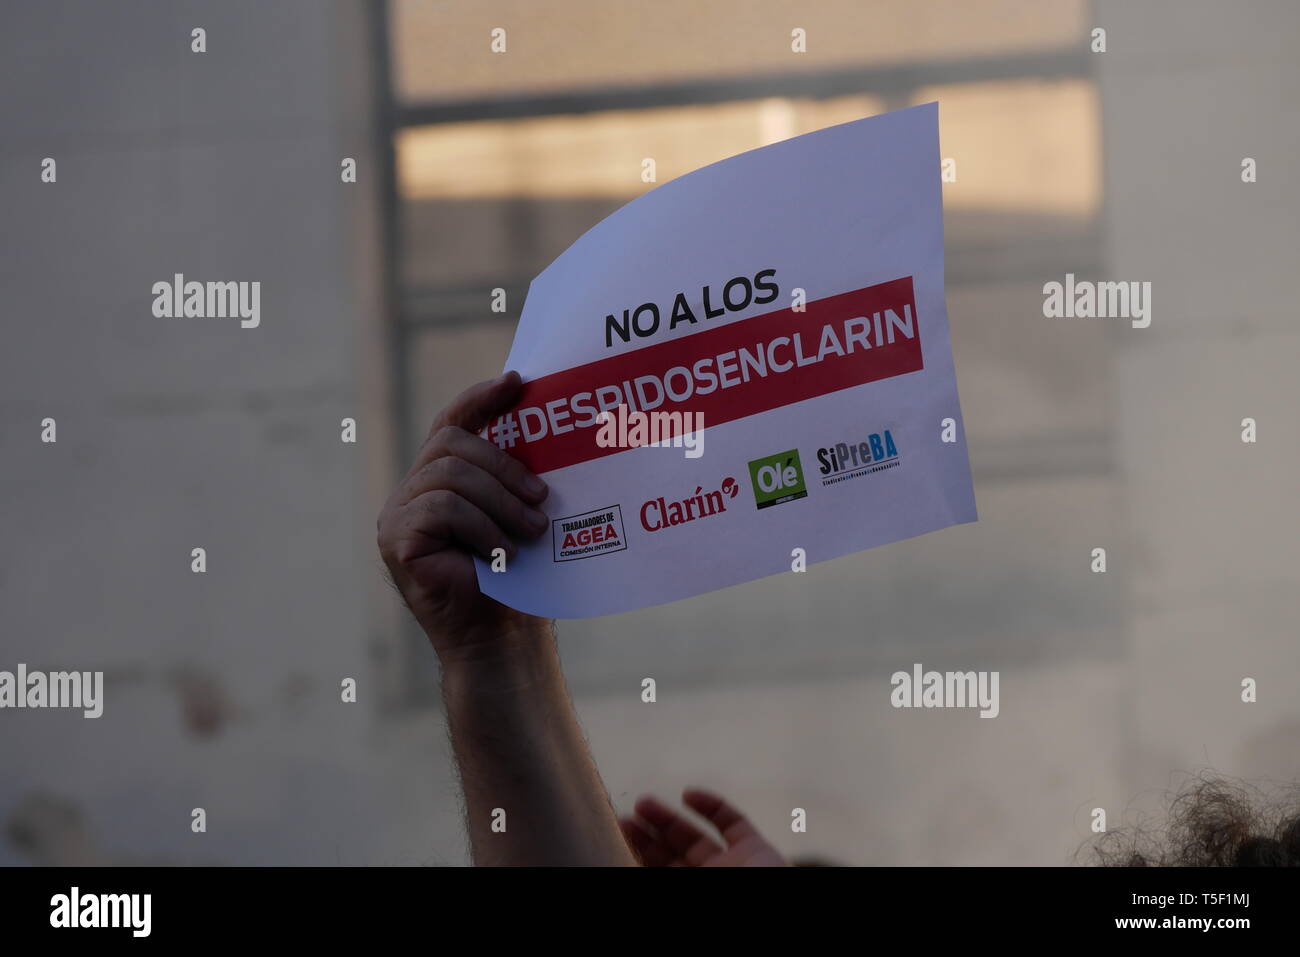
[[791, 299]]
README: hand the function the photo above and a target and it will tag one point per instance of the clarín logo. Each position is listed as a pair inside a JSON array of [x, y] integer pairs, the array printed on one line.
[[658, 513], [847, 460], [777, 479]]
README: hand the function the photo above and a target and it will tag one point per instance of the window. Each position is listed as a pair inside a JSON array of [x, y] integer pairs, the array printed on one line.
[[500, 161]]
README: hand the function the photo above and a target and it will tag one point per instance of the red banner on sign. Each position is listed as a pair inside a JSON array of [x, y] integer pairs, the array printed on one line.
[[720, 374]]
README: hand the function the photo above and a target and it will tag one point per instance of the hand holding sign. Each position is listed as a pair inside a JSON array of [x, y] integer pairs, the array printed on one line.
[[820, 371], [461, 495]]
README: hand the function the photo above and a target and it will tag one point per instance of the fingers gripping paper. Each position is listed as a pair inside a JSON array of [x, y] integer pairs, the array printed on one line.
[[777, 322]]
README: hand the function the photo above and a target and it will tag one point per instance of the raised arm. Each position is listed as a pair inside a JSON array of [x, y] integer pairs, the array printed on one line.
[[532, 791]]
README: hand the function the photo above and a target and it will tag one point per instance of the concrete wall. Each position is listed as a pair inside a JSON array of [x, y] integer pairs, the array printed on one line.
[[222, 688], [1189, 90]]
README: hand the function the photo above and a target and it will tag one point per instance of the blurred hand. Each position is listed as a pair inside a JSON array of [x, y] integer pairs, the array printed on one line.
[[663, 838], [462, 496]]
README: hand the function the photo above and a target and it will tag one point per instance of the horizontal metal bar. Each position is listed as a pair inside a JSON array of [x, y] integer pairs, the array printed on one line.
[[893, 80], [426, 307]]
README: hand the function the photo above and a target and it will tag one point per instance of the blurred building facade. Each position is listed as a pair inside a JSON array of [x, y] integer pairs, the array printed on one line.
[[475, 170]]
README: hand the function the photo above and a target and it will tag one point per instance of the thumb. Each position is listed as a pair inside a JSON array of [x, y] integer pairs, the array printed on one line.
[[474, 408]]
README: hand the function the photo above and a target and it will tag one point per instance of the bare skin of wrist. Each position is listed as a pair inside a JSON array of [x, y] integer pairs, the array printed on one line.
[[517, 662], [532, 792], [511, 721]]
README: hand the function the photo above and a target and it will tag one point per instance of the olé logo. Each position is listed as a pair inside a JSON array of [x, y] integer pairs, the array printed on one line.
[[777, 479]]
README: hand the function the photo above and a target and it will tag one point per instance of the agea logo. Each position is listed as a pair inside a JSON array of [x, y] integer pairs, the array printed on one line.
[[658, 514], [846, 460], [777, 479], [589, 534]]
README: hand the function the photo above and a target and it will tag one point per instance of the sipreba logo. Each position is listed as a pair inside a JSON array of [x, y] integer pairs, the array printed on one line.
[[658, 513], [848, 460], [777, 479]]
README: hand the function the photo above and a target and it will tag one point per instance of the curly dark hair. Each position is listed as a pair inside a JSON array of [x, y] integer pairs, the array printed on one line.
[[1213, 821]]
